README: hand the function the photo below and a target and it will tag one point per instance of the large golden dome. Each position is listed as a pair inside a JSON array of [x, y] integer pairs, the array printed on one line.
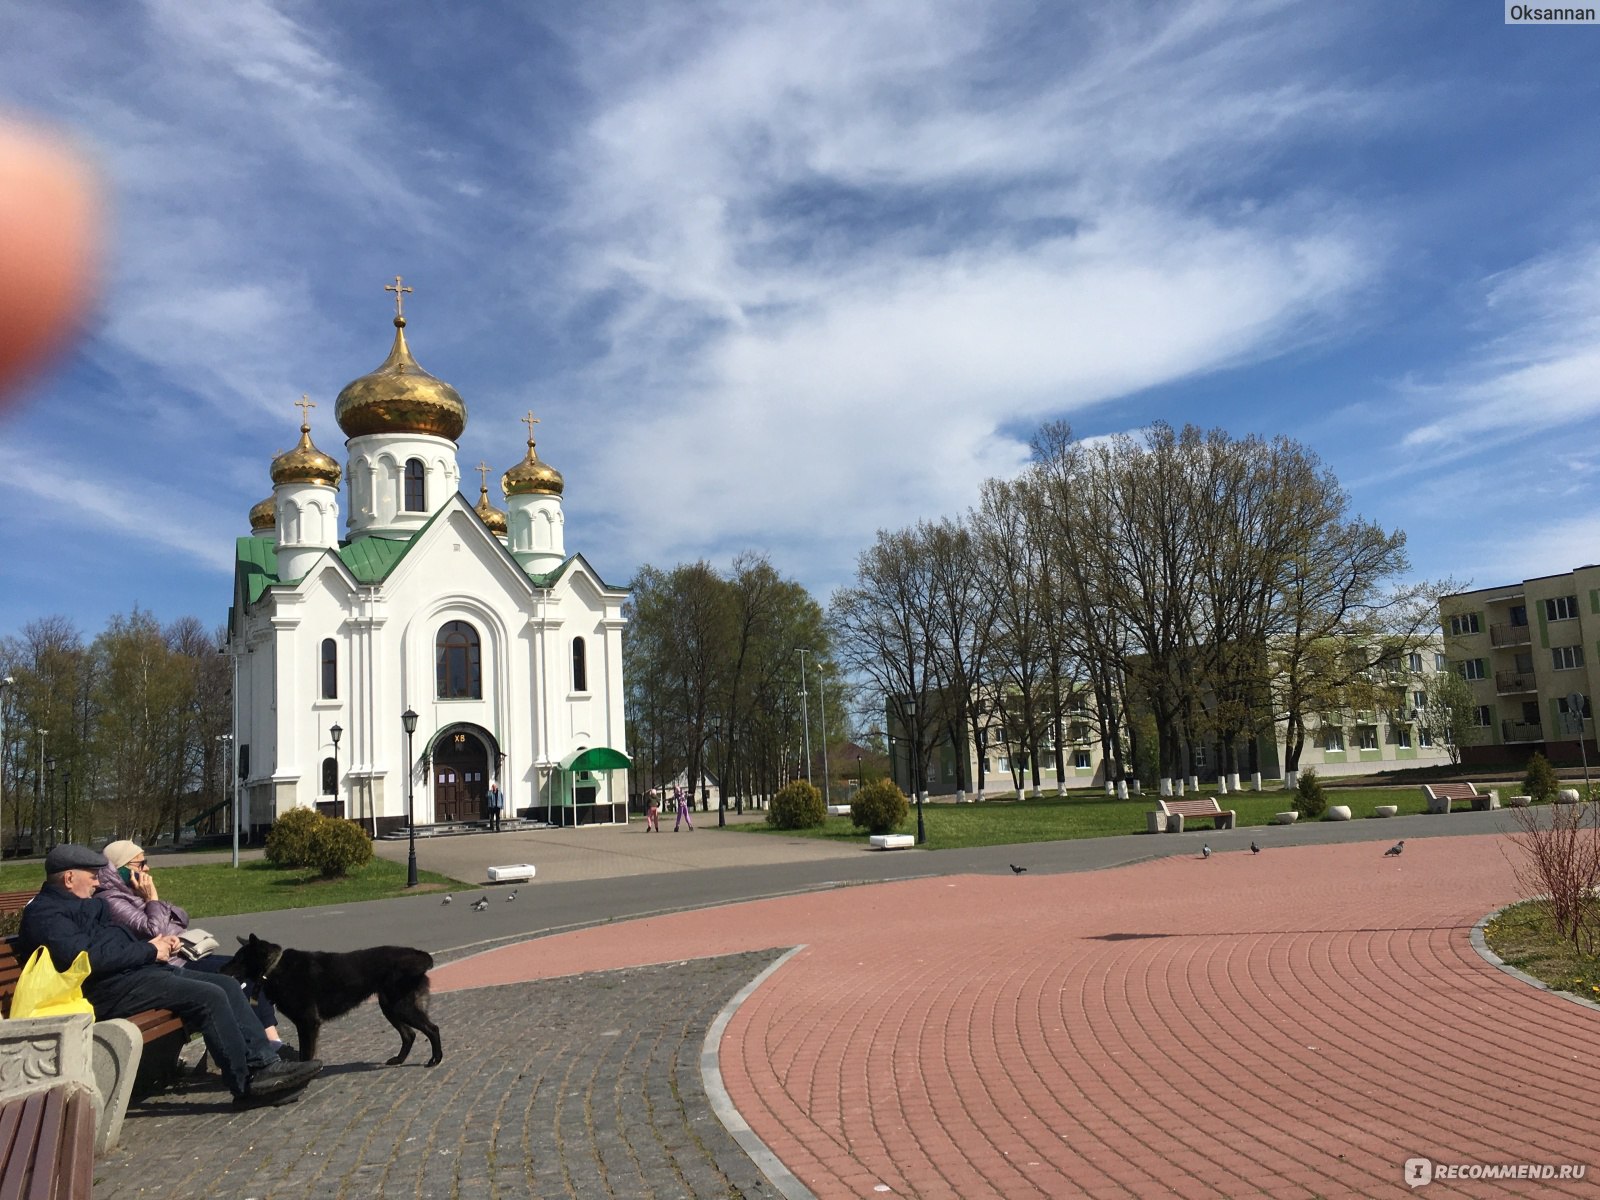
[[305, 463], [492, 516], [263, 515], [400, 397], [532, 477]]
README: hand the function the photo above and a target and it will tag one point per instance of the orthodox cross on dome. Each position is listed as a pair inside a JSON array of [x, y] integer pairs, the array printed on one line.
[[483, 475], [530, 421], [305, 404], [399, 297]]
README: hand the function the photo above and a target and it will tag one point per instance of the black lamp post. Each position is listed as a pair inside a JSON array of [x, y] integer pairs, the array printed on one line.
[[409, 720], [861, 774], [336, 732], [722, 768], [916, 755], [50, 794]]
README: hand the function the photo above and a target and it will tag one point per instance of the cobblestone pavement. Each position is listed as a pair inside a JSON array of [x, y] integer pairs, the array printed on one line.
[[583, 1087]]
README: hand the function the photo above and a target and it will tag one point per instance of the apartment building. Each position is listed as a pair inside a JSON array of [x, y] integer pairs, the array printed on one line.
[[1528, 651]]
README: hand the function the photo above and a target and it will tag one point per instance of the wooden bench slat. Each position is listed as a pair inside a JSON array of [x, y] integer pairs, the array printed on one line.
[[74, 1170], [20, 1162], [50, 1146]]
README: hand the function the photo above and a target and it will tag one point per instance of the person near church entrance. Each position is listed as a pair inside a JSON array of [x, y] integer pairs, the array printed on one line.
[[652, 816], [683, 810], [496, 802]]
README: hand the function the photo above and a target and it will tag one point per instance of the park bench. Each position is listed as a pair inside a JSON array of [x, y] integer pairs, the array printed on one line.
[[1177, 811], [47, 1144], [1442, 795]]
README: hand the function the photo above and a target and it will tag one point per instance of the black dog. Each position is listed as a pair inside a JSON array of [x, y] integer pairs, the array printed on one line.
[[311, 986]]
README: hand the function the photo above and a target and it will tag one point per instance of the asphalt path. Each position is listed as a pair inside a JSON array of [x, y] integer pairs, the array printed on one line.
[[544, 907]]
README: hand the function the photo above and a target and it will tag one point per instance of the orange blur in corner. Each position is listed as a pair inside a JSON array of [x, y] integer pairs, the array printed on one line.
[[49, 249]]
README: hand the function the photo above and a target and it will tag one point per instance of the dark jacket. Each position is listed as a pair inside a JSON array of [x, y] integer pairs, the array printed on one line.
[[59, 921]]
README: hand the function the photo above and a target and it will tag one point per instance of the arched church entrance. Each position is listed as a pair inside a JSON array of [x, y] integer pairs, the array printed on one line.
[[460, 776]]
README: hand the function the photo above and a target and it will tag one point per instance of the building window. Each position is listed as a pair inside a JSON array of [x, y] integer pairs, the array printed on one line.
[[1333, 738], [1472, 669], [1400, 735], [416, 489], [330, 776], [1465, 623], [1080, 759], [1566, 658], [1440, 663], [1424, 737], [1419, 700], [1415, 663], [330, 669], [1562, 608], [460, 665], [1369, 737], [580, 666], [1481, 716], [1519, 616], [1566, 708]]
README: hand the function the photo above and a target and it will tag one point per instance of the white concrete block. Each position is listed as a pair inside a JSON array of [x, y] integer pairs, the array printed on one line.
[[515, 873], [892, 841]]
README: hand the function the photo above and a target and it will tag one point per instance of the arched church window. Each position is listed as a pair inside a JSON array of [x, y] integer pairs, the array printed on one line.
[[416, 491], [330, 776], [580, 666], [330, 669], [460, 663]]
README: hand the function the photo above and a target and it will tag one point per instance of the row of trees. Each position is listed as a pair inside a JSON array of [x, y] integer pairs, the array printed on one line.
[[1175, 590], [118, 735], [713, 675]]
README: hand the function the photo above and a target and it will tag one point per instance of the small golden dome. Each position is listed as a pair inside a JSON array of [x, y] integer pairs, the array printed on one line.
[[532, 477], [305, 463], [492, 516], [400, 397], [264, 515]]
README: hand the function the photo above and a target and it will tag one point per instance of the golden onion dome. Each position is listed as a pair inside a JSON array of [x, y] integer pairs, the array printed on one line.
[[264, 515], [305, 463], [400, 397], [530, 477], [492, 516]]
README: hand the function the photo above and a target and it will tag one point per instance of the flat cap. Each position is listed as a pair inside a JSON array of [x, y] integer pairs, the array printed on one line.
[[70, 857]]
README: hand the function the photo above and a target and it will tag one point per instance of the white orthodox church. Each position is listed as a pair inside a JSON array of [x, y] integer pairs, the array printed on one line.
[[507, 649]]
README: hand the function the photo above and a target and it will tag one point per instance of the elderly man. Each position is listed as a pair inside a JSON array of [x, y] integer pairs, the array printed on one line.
[[128, 975]]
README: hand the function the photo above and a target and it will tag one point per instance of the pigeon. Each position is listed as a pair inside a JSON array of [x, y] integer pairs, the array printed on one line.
[[480, 904], [1254, 849], [1205, 851], [448, 898], [1394, 850], [511, 897], [1016, 870]]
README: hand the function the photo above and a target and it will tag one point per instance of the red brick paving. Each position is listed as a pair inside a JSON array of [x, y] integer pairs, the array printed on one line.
[[1297, 1023]]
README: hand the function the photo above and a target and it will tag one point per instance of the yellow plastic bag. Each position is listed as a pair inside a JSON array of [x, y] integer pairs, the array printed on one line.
[[43, 991]]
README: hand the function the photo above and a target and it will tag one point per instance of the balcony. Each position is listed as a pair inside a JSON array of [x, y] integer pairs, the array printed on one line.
[[1507, 682], [1521, 731], [1510, 635]]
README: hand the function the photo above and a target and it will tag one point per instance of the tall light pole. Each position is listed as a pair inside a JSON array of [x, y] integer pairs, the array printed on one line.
[[5, 685], [409, 720], [722, 771], [916, 763], [50, 796], [805, 722], [822, 701], [230, 788], [336, 733]]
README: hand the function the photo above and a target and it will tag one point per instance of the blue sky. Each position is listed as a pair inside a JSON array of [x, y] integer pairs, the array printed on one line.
[[777, 275]]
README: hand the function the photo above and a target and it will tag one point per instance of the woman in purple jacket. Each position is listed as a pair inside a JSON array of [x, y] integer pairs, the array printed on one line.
[[132, 901]]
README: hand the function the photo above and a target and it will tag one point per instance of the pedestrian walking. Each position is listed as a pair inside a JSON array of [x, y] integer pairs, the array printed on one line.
[[496, 803], [652, 816], [683, 810]]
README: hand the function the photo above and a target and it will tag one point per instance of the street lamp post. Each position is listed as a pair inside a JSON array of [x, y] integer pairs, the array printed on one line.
[[822, 700], [409, 720], [336, 732], [722, 772], [38, 788], [916, 756], [805, 721], [50, 795], [230, 788]]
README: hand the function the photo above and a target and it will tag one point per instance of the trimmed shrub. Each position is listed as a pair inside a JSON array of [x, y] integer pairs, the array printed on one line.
[[1540, 782], [338, 847], [289, 842], [1310, 800], [879, 807], [798, 806]]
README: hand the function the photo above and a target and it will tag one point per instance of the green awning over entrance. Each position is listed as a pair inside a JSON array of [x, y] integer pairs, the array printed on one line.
[[596, 758]]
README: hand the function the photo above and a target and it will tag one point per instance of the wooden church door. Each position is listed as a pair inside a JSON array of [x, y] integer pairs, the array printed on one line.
[[460, 778]]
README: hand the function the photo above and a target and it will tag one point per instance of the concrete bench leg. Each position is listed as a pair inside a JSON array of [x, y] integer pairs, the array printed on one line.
[[1175, 823], [118, 1047]]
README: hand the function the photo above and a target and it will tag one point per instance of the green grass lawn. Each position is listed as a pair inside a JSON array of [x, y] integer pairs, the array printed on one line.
[[1525, 937], [1087, 814], [220, 890]]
